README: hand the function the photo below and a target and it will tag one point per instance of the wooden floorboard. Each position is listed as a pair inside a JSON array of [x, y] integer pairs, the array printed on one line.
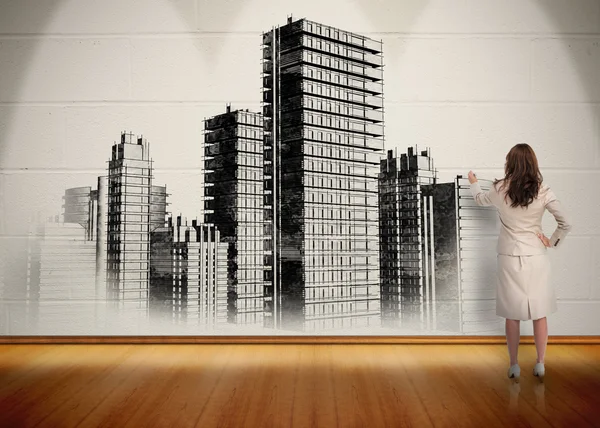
[[294, 340], [294, 385]]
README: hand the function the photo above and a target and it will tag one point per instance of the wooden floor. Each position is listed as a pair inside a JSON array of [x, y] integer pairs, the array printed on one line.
[[294, 386]]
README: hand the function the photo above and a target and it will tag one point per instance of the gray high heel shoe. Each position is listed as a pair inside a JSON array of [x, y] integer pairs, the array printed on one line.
[[540, 371], [514, 372]]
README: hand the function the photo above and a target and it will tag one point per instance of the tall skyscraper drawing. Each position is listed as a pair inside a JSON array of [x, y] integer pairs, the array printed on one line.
[[234, 190], [402, 237], [323, 108], [134, 209]]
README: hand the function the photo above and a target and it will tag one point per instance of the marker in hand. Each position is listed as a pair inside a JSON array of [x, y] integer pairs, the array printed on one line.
[[472, 177]]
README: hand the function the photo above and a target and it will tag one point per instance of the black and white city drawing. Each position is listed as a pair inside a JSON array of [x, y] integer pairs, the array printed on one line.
[[309, 224]]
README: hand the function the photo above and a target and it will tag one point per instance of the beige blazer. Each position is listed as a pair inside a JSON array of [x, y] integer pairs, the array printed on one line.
[[520, 226]]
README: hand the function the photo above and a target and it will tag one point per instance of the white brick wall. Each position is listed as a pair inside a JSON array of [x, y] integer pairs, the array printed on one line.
[[467, 78]]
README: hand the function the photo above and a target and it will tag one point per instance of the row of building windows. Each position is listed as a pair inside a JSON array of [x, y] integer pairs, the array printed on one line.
[[337, 34], [405, 199], [393, 219], [345, 276], [247, 245], [250, 146], [250, 189], [343, 64], [338, 197], [342, 124], [337, 167], [334, 292], [342, 108], [341, 94], [128, 208], [249, 132], [250, 160], [128, 179], [342, 138], [407, 261], [338, 182], [339, 152], [340, 79], [128, 217], [249, 118], [125, 173], [249, 174], [337, 48]]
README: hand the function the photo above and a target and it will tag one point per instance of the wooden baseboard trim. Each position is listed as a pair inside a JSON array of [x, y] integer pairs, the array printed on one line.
[[291, 340]]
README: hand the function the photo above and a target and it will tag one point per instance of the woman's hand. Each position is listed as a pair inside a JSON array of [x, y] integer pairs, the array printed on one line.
[[544, 239], [472, 177]]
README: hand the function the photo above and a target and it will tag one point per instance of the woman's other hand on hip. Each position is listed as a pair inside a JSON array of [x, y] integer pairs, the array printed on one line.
[[544, 239]]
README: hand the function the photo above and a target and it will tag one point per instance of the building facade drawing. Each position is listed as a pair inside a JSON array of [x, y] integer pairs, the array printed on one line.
[[188, 274], [234, 203], [135, 207], [403, 237], [323, 109], [440, 256], [478, 229], [200, 275]]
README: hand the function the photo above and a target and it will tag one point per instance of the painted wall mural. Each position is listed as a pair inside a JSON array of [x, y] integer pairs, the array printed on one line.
[[310, 224]]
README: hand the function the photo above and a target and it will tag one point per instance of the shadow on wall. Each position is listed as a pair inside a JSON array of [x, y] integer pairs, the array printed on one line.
[[404, 14]]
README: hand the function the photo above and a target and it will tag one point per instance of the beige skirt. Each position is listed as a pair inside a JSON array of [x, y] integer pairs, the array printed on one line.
[[524, 290]]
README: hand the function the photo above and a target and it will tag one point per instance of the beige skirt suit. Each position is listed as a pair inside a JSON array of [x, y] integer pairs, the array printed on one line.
[[524, 290]]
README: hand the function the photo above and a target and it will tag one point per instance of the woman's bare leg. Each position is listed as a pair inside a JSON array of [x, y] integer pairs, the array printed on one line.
[[513, 335], [540, 335]]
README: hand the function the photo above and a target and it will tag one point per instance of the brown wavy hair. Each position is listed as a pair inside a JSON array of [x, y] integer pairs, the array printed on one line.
[[522, 175]]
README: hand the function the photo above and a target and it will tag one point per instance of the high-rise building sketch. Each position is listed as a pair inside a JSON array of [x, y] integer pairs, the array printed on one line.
[[323, 108], [234, 191], [402, 237], [134, 209]]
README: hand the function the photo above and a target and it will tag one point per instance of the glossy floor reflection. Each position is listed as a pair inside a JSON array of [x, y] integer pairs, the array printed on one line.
[[295, 385]]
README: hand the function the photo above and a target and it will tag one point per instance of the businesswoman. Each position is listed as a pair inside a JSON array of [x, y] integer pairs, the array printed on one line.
[[523, 290]]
